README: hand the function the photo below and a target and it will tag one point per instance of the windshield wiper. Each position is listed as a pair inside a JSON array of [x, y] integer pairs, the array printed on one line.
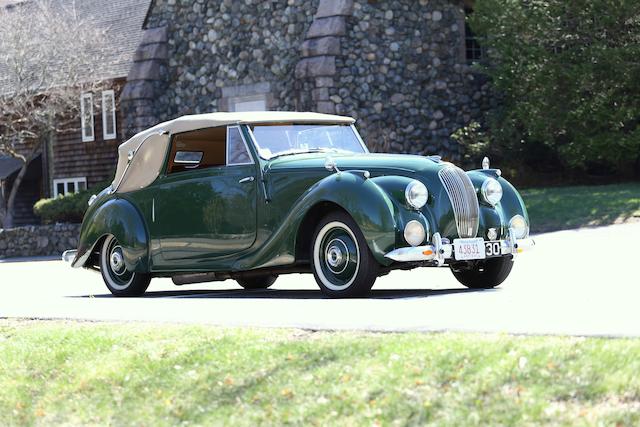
[[310, 150]]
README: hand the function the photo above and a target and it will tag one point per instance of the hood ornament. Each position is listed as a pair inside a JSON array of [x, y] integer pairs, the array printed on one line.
[[486, 164]]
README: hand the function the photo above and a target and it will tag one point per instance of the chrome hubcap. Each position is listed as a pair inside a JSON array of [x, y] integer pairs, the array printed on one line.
[[337, 256], [334, 256], [117, 261]]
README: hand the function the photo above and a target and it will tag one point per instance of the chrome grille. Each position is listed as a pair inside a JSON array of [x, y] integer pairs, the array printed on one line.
[[463, 199]]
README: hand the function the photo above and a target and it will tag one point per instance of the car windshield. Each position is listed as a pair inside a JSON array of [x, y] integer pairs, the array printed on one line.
[[281, 140]]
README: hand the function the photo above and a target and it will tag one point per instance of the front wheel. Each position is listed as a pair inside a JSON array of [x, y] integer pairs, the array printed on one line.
[[342, 263], [120, 281], [484, 274]]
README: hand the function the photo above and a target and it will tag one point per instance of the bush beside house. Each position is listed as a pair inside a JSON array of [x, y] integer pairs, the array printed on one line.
[[69, 208]]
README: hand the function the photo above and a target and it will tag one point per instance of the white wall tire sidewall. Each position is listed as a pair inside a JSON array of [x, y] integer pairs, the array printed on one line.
[[316, 256], [105, 264]]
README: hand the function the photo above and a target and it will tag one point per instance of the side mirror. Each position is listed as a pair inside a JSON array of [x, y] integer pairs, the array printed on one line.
[[331, 165]]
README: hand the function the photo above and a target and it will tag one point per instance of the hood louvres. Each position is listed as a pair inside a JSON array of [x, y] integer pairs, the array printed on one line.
[[463, 199]]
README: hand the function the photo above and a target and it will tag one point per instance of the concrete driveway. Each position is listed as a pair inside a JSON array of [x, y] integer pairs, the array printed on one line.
[[583, 282]]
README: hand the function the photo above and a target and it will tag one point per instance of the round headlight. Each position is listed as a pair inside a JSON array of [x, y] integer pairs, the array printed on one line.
[[414, 233], [491, 191], [519, 226], [416, 194]]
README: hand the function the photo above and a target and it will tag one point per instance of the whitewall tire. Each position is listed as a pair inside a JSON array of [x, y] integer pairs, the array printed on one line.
[[119, 280], [342, 263]]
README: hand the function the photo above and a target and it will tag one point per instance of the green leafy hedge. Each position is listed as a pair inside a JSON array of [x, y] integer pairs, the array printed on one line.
[[69, 208], [567, 74]]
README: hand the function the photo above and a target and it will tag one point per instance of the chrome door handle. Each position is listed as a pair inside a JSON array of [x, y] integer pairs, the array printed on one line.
[[247, 179]]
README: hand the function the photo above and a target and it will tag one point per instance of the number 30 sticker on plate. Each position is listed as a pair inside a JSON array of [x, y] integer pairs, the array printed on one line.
[[466, 249]]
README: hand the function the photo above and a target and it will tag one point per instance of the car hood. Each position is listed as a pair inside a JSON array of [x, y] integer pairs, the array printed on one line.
[[406, 163]]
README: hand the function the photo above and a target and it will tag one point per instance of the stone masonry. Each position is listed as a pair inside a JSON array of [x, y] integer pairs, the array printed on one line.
[[44, 240], [397, 66]]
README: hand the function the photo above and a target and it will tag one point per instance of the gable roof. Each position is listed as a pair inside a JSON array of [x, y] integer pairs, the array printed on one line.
[[122, 20]]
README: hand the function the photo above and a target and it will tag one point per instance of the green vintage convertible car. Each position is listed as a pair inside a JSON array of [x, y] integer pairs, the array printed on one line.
[[251, 196]]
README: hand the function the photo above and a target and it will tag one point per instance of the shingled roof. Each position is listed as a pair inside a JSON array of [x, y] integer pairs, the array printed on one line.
[[122, 20]]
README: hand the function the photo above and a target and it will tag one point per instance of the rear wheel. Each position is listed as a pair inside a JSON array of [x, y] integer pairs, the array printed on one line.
[[342, 263], [258, 282], [120, 281], [484, 274]]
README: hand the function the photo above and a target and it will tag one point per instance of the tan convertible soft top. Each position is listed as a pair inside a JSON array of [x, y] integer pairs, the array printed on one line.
[[140, 158]]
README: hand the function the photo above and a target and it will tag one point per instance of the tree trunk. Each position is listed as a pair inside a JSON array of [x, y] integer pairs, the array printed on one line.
[[7, 222]]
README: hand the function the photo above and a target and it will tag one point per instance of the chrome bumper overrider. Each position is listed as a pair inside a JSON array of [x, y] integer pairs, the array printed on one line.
[[441, 252], [69, 256]]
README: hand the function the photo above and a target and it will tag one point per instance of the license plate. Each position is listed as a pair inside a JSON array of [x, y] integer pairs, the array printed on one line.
[[466, 249], [494, 249]]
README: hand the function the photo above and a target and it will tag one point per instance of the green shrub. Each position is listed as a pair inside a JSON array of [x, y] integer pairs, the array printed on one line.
[[69, 208], [567, 73]]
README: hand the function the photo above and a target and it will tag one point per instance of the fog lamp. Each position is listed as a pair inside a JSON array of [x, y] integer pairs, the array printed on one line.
[[414, 233], [519, 226]]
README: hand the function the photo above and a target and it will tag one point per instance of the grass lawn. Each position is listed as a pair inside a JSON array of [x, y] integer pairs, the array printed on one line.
[[86, 373], [573, 207]]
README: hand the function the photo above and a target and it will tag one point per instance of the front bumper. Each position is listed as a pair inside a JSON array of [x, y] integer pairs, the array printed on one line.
[[442, 252]]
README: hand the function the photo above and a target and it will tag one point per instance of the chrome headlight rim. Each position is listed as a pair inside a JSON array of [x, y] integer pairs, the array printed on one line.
[[415, 233], [486, 196], [416, 194], [525, 229]]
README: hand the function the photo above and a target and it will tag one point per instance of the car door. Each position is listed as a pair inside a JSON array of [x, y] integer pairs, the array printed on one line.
[[204, 207]]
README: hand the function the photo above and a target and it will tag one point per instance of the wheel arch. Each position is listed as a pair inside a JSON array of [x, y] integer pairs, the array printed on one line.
[[121, 219], [363, 200], [304, 235]]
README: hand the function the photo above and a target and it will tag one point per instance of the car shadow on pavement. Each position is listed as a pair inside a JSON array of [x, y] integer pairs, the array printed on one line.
[[294, 294]]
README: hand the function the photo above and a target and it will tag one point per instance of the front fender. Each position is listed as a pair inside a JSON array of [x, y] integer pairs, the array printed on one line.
[[367, 203], [121, 219]]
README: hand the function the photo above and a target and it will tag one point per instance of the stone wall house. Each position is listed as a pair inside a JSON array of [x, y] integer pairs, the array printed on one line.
[[401, 67]]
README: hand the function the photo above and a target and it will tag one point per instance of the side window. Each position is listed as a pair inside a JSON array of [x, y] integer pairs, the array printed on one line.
[[237, 152], [198, 149], [108, 115], [62, 187], [86, 117]]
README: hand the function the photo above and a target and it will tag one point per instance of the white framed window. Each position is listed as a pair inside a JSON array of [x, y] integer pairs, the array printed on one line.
[[86, 117], [250, 103], [64, 186], [108, 115]]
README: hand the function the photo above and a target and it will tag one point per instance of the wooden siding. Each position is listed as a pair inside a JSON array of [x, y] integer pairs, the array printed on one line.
[[96, 160]]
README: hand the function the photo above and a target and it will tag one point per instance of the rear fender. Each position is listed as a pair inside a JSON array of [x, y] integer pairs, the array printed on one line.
[[120, 218]]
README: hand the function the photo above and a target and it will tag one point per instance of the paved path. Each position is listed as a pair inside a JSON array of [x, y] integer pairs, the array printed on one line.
[[583, 282]]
